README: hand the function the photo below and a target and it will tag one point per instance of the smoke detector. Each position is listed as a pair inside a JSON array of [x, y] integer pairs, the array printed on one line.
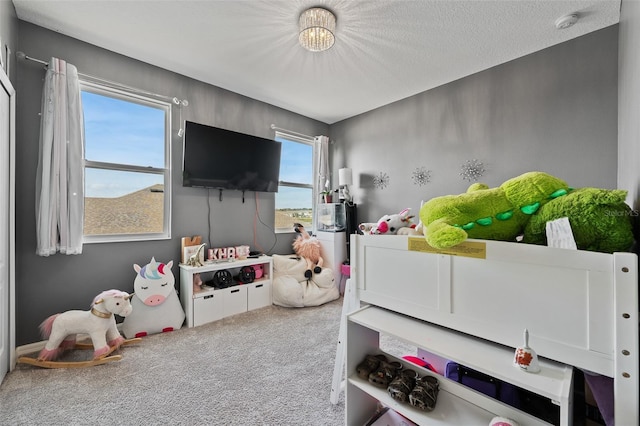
[[566, 21]]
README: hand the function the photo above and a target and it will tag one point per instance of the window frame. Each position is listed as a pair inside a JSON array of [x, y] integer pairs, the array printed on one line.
[[166, 171], [314, 160]]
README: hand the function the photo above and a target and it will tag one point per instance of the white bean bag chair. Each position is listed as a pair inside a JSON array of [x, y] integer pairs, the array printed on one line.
[[291, 289]]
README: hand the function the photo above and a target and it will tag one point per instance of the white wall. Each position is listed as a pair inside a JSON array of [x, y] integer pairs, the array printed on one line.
[[629, 101], [9, 35]]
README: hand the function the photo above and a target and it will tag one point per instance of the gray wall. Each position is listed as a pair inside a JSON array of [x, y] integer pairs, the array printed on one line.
[[554, 111], [629, 101], [48, 285], [9, 34]]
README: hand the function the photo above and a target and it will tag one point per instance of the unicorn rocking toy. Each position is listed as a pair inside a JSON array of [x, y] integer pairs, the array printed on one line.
[[99, 323]]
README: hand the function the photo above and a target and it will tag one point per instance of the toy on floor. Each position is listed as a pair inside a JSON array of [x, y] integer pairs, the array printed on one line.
[[599, 218], [292, 289], [156, 306], [308, 248], [389, 224], [99, 323]]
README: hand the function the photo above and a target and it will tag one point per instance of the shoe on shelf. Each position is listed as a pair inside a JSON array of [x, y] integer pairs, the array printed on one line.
[[386, 372], [369, 365], [402, 385], [425, 393]]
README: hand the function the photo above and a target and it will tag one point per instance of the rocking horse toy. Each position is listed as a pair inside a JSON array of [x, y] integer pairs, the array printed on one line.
[[99, 323]]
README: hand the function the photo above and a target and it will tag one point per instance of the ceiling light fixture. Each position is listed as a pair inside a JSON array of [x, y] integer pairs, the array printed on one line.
[[317, 28]]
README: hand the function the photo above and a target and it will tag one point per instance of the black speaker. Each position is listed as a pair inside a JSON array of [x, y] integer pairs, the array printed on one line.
[[222, 279], [246, 275]]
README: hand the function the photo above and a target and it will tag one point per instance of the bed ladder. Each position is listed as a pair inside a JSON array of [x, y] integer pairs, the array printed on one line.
[[349, 304]]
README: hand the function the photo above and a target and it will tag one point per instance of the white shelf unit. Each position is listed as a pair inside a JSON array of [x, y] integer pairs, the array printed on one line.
[[456, 404], [211, 304]]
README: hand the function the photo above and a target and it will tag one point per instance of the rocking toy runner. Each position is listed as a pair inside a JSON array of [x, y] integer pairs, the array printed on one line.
[[99, 323]]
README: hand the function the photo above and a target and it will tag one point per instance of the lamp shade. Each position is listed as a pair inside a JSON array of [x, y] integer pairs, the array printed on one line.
[[317, 27], [345, 177]]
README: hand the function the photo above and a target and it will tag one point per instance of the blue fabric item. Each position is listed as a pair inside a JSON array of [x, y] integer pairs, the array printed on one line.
[[483, 383]]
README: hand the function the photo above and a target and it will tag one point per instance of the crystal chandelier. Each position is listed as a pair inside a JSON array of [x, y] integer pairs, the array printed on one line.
[[317, 27]]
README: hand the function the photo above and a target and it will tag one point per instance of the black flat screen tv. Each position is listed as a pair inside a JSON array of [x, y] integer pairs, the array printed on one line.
[[224, 159]]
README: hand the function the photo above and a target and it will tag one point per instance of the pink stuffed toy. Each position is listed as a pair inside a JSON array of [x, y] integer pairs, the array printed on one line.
[[308, 248], [389, 224]]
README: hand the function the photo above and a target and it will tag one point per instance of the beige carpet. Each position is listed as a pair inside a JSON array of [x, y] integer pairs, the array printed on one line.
[[272, 366]]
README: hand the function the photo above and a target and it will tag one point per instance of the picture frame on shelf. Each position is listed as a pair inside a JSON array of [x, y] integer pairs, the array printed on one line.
[[193, 242], [189, 251]]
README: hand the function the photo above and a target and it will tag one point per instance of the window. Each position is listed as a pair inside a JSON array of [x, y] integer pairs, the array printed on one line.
[[127, 165], [294, 199]]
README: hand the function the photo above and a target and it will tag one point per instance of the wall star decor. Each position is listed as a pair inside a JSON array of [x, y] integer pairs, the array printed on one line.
[[472, 170], [381, 180], [421, 176]]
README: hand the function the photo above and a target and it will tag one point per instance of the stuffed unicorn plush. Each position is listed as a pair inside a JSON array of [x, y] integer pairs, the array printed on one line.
[[389, 224], [308, 248], [99, 323], [156, 306]]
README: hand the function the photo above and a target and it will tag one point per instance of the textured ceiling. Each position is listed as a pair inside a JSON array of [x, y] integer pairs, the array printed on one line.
[[385, 50]]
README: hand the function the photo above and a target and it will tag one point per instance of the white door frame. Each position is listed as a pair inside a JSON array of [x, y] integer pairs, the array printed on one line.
[[8, 321]]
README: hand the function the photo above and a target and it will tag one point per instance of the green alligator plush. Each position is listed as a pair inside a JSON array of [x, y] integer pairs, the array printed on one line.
[[600, 219]]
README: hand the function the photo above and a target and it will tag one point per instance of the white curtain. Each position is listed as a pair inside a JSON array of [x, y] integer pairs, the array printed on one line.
[[322, 172], [60, 174], [323, 161]]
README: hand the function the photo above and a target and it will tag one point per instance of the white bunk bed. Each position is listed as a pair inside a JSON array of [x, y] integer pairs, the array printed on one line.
[[580, 308]]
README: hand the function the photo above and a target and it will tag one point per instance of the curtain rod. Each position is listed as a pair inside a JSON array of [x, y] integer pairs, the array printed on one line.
[[180, 102], [291, 132]]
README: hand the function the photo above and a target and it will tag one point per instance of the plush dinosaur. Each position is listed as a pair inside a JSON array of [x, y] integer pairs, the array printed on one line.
[[600, 219]]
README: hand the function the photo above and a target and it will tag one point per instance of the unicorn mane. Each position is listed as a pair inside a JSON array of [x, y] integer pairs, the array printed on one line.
[[109, 293], [152, 270]]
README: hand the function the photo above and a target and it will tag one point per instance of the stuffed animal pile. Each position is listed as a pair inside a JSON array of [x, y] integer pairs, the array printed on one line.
[[299, 280], [599, 218], [389, 224], [291, 287]]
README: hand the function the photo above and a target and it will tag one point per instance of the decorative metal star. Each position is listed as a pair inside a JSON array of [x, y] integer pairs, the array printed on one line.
[[421, 176], [381, 180], [472, 170]]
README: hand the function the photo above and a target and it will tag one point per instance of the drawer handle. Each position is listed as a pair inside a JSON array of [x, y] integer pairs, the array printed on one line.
[[259, 285], [209, 296], [234, 291]]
